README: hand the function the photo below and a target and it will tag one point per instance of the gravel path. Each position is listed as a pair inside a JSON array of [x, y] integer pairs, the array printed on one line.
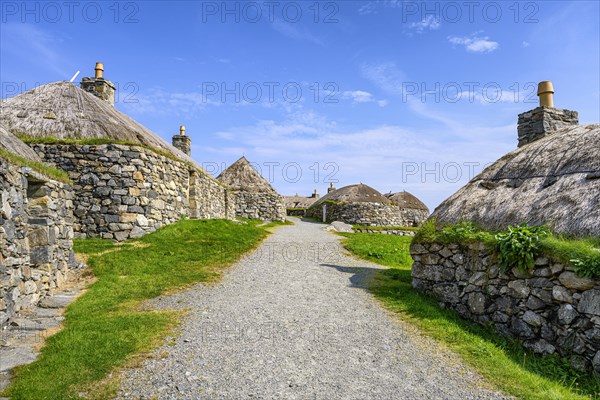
[[293, 321]]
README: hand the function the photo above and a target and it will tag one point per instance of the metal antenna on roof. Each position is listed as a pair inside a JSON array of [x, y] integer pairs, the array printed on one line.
[[74, 77]]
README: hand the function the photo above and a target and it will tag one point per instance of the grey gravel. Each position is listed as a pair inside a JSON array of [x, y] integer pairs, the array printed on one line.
[[293, 321]]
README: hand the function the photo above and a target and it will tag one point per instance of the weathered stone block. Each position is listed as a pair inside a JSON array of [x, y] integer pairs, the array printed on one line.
[[590, 302]]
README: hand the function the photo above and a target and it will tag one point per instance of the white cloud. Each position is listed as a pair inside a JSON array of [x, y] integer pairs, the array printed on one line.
[[474, 44], [428, 23], [525, 44], [360, 96], [377, 155]]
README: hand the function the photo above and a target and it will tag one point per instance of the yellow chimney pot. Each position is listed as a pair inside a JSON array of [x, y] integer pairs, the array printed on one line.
[[182, 130], [545, 92], [99, 69]]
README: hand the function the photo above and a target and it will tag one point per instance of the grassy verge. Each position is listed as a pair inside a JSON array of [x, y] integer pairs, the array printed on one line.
[[42, 168], [503, 362], [106, 328]]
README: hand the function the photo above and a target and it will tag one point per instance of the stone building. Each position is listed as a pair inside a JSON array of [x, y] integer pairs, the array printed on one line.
[[255, 198], [127, 180], [414, 210], [360, 205], [297, 205], [36, 229], [552, 178]]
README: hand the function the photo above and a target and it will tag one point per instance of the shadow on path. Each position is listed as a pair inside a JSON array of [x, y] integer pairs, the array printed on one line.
[[361, 275]]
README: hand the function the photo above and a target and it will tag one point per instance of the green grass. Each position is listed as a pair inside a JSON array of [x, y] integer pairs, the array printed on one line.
[[42, 168], [106, 328], [503, 362]]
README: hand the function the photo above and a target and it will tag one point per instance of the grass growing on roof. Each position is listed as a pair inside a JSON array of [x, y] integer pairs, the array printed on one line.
[[503, 362], [106, 327], [42, 168]]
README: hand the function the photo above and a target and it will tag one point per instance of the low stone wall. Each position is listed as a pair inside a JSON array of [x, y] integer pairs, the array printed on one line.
[[124, 192], [368, 214], [551, 309], [397, 232], [296, 212], [264, 206], [36, 233]]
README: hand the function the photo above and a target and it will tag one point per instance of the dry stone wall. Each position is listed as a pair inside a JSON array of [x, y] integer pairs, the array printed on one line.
[[125, 192], [209, 198], [367, 214], [264, 206], [550, 309], [543, 121], [36, 232]]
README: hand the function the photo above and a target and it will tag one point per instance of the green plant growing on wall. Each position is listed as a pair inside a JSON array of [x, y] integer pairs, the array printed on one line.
[[519, 245]]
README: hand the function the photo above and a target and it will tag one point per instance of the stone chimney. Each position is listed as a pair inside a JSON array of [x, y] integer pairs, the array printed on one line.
[[182, 142], [315, 195], [331, 188], [98, 86], [545, 119]]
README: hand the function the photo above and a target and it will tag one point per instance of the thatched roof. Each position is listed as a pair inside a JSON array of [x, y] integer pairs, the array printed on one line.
[[11, 143], [64, 111], [554, 181], [241, 176], [299, 201], [406, 200], [359, 193]]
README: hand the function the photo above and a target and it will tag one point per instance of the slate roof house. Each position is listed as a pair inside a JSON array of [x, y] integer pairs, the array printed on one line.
[[255, 198]]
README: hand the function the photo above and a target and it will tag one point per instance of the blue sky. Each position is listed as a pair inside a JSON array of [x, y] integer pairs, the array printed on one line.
[[400, 95]]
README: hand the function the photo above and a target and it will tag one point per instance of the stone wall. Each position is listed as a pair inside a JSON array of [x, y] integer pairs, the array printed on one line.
[[209, 198], [264, 206], [396, 232], [124, 192], [543, 121], [36, 232], [550, 309], [367, 214]]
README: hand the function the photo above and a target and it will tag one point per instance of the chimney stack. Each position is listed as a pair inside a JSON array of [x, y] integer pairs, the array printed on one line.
[[315, 195], [98, 86], [545, 119], [330, 188], [182, 142]]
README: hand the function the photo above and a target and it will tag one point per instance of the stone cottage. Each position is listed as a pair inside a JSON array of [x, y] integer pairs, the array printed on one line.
[[552, 178], [255, 198], [414, 210], [360, 205], [36, 229], [297, 205], [127, 180]]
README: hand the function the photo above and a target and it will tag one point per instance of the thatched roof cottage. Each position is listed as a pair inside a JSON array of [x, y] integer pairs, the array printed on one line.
[[255, 198], [360, 204], [36, 217], [128, 180], [415, 211], [553, 178]]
